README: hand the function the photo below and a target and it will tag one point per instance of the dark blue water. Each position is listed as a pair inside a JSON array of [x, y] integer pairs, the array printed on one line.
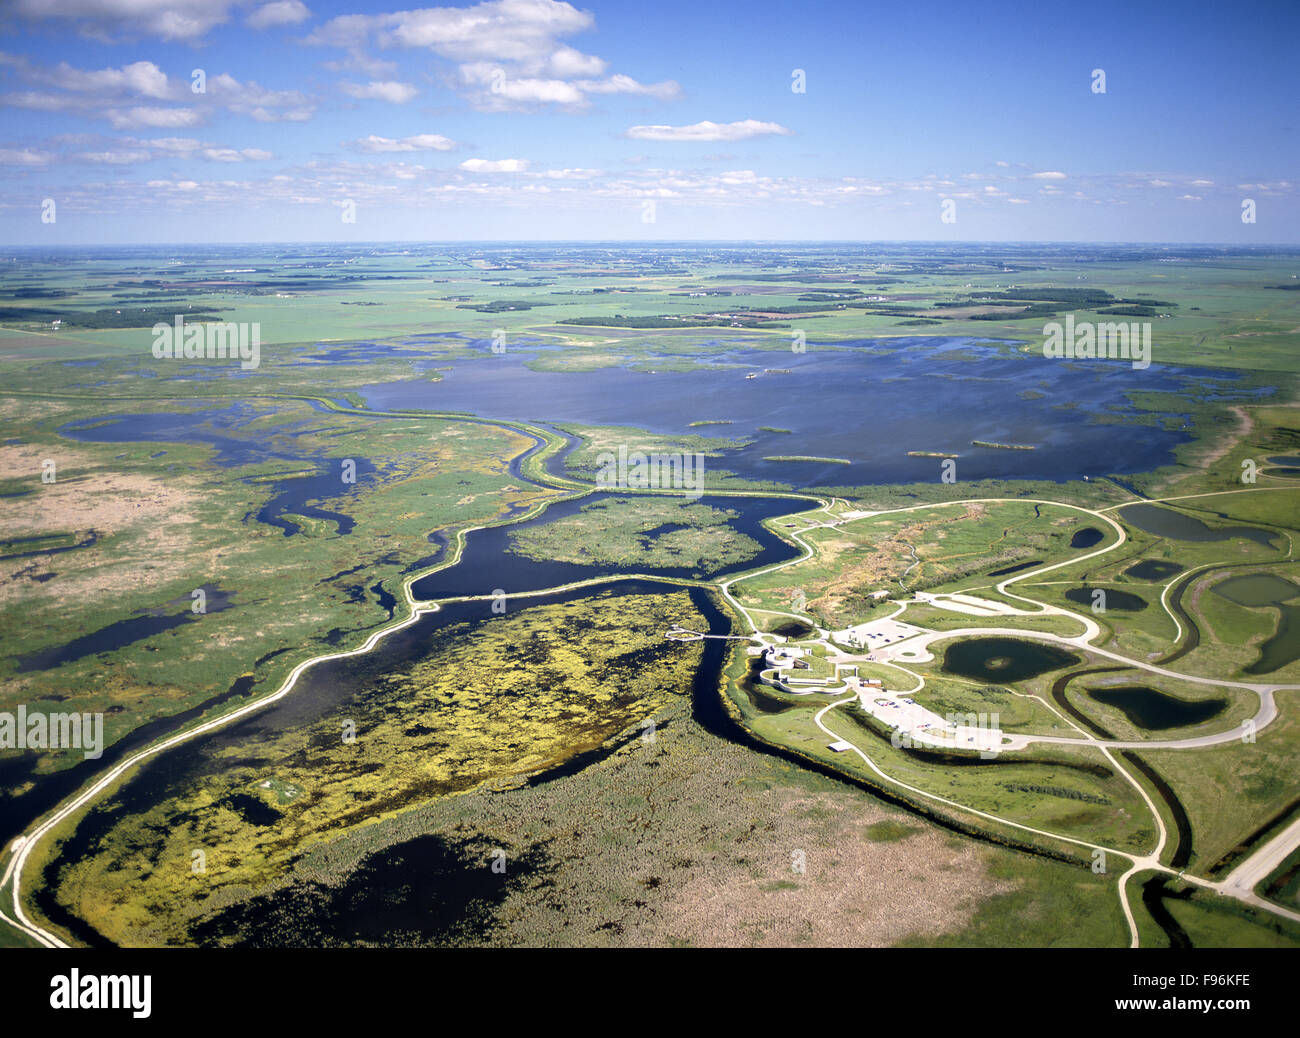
[[1154, 569], [1004, 659], [870, 403], [18, 812], [1014, 569], [208, 427], [87, 542], [1086, 537], [366, 352], [296, 495], [1156, 711], [292, 496], [487, 564], [1165, 522], [106, 639], [1123, 601], [126, 632]]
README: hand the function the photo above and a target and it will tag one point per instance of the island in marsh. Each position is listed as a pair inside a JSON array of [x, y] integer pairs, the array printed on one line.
[[1003, 446], [640, 531], [808, 457]]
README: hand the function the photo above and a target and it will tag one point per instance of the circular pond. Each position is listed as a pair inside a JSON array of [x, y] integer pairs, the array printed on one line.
[[1004, 659]]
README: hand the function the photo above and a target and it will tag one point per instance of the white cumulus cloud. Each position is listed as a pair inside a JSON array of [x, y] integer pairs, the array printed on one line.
[[380, 90], [707, 131], [23, 157], [235, 154], [494, 165], [419, 142], [280, 12], [112, 19], [509, 55], [159, 118]]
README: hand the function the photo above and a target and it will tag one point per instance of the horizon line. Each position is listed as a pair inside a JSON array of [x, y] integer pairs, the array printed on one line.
[[660, 242]]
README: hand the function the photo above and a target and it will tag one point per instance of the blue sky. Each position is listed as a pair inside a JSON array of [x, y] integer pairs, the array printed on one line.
[[532, 119]]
